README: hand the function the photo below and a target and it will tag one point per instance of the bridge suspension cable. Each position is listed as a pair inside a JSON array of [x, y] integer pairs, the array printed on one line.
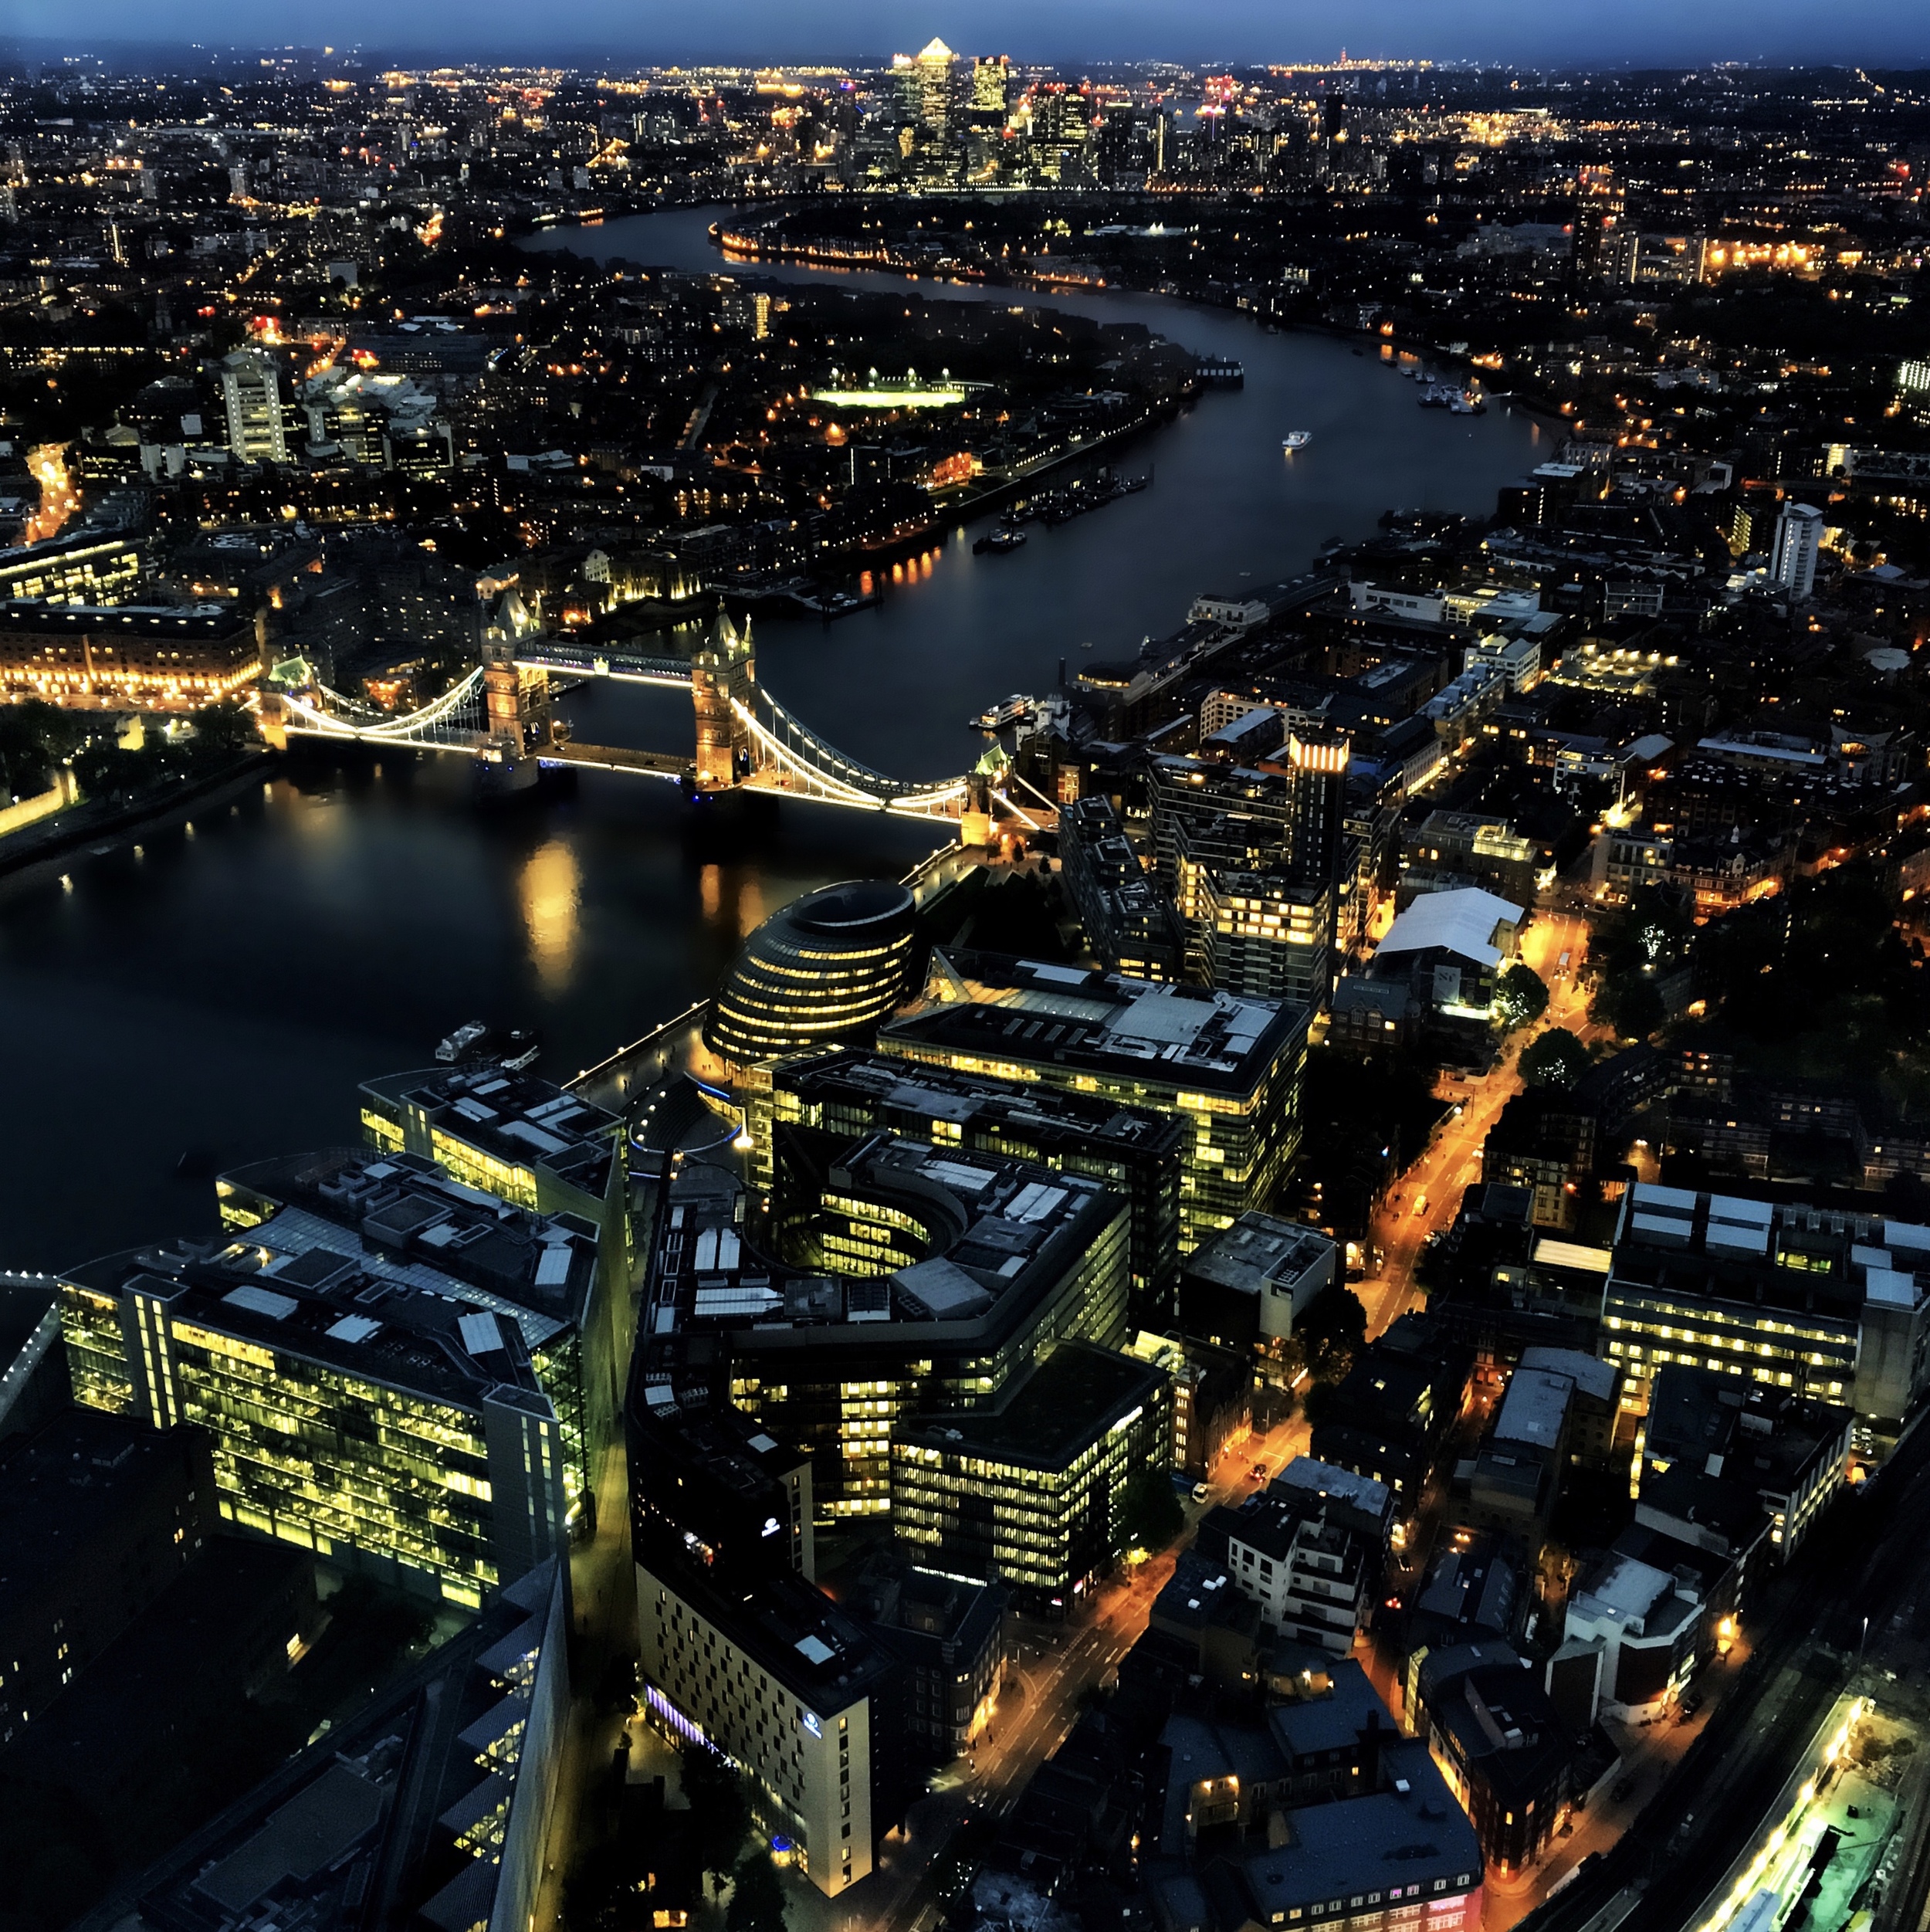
[[432, 723], [799, 750]]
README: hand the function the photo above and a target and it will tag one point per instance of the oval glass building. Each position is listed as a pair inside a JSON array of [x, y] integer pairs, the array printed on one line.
[[821, 973]]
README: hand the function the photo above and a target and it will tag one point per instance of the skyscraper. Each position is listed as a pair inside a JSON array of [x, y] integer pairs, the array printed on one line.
[[1799, 537], [250, 394], [935, 85], [991, 84]]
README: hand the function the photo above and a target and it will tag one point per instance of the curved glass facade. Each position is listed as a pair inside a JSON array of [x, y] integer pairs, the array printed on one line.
[[821, 973]]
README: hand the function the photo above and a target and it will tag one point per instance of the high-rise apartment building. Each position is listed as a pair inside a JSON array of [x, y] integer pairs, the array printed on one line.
[[1128, 922], [1257, 859], [1799, 542], [251, 395]]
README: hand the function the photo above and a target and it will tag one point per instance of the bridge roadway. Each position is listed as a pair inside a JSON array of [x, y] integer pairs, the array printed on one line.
[[785, 756]]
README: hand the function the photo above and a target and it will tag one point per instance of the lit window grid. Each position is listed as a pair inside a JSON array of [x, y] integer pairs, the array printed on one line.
[[96, 1349], [1036, 1513], [509, 1181], [1642, 1334], [1242, 1146], [314, 1456], [837, 1422]]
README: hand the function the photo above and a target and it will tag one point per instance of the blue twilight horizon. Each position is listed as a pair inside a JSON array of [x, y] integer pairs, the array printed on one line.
[[1637, 33]]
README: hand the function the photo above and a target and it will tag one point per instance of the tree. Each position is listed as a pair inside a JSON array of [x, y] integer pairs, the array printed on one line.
[[1333, 1325], [720, 1816], [1521, 997], [1553, 1059], [757, 1903], [1628, 1003], [1151, 1511], [223, 732]]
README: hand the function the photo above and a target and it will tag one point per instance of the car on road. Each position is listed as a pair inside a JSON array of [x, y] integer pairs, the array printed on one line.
[[1201, 1492], [1691, 1703], [1258, 1472], [1420, 1206], [1624, 1789]]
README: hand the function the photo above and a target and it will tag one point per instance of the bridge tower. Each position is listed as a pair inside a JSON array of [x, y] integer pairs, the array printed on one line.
[[724, 670], [516, 698]]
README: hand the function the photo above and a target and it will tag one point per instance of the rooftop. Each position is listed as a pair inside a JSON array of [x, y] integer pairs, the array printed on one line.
[[1534, 1408], [1784, 1253], [912, 1091], [1462, 922], [1023, 1011], [1258, 1251], [1074, 1395], [513, 1116], [279, 1290], [401, 1217], [1407, 1839], [1005, 1230]]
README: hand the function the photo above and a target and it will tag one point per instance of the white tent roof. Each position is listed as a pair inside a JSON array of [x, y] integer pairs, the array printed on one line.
[[1463, 921]]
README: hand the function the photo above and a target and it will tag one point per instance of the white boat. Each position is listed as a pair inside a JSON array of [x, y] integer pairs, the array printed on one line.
[[459, 1042], [1296, 439]]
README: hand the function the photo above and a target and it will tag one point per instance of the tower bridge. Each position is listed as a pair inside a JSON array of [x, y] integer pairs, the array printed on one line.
[[501, 714]]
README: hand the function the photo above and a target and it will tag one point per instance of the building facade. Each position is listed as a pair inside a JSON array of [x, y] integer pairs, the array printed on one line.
[[1228, 1069], [1036, 1493], [821, 973], [1828, 1305]]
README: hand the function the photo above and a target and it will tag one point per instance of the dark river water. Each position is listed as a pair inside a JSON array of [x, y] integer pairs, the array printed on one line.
[[223, 989]]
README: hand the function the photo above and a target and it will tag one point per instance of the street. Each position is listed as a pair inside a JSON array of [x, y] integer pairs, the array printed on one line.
[[1427, 1197]]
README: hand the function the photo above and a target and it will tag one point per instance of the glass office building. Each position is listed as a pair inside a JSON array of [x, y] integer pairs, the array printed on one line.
[[1133, 1152], [377, 1424], [1037, 1492], [821, 973], [396, 1373], [1228, 1069], [891, 1279]]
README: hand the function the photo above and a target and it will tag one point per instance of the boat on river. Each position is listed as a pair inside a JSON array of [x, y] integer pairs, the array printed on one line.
[[1296, 439], [996, 717], [998, 541], [479, 1044]]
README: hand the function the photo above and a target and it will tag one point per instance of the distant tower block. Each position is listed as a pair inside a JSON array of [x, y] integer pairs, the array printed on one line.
[[722, 672]]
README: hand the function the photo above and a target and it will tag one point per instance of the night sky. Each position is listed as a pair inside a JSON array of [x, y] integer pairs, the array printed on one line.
[[1637, 32]]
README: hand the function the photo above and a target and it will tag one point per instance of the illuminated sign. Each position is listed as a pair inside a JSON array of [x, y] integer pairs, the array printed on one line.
[[810, 1724]]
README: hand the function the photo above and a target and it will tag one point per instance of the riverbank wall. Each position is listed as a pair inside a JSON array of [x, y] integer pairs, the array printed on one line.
[[45, 850]]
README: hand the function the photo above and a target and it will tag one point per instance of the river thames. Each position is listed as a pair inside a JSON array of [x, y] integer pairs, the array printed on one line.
[[223, 989]]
